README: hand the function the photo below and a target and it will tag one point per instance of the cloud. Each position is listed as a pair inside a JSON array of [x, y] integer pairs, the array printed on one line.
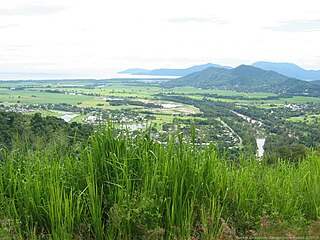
[[2, 26], [31, 10], [298, 26], [207, 19]]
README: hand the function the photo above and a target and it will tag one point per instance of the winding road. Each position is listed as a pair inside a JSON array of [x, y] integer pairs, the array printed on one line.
[[232, 131]]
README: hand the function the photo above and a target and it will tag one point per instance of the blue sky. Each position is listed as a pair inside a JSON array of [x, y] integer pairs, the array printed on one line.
[[94, 39]]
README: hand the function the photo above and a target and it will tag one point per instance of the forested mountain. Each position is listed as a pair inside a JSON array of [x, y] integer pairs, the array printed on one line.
[[290, 70], [287, 69], [171, 72], [316, 82], [247, 78]]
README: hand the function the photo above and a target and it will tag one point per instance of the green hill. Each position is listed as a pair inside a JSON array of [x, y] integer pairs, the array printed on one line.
[[247, 78], [289, 69], [119, 186]]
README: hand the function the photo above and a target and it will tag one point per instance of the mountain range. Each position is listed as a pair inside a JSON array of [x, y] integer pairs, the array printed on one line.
[[287, 69], [247, 78], [171, 72], [290, 70]]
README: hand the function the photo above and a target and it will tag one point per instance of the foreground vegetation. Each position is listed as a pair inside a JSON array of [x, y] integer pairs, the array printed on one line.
[[121, 186]]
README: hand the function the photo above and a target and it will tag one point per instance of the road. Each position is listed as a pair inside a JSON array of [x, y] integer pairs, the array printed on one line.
[[232, 131]]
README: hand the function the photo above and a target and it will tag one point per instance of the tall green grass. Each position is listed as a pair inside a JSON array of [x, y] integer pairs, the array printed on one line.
[[120, 186]]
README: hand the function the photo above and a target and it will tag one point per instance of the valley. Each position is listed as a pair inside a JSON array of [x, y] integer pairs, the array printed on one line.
[[250, 123], [159, 156]]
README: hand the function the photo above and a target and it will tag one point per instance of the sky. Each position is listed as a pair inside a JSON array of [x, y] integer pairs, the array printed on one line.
[[54, 39]]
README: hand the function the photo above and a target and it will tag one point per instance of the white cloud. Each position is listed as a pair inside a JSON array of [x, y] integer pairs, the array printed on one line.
[[298, 26], [33, 9], [98, 37], [200, 19], [7, 25]]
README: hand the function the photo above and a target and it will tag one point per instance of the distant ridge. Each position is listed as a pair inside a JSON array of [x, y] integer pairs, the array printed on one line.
[[171, 72], [247, 78], [134, 71], [289, 69]]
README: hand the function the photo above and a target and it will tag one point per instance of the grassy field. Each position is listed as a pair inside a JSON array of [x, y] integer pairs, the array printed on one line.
[[265, 103], [121, 187], [36, 97], [168, 118], [133, 91], [298, 99], [117, 90], [45, 113], [221, 92], [125, 90], [306, 119]]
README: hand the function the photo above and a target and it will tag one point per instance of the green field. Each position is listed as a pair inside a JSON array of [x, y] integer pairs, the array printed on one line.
[[36, 97], [162, 119], [90, 94], [122, 90], [306, 119], [221, 92], [117, 90]]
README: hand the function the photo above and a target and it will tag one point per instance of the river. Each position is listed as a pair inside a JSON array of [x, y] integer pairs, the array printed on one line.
[[261, 140], [260, 145]]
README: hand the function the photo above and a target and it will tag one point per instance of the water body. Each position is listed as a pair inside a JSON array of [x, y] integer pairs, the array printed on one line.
[[124, 75], [260, 144]]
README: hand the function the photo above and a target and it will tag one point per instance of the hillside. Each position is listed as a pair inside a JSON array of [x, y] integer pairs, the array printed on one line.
[[118, 186], [247, 78], [316, 82], [290, 70], [171, 72]]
